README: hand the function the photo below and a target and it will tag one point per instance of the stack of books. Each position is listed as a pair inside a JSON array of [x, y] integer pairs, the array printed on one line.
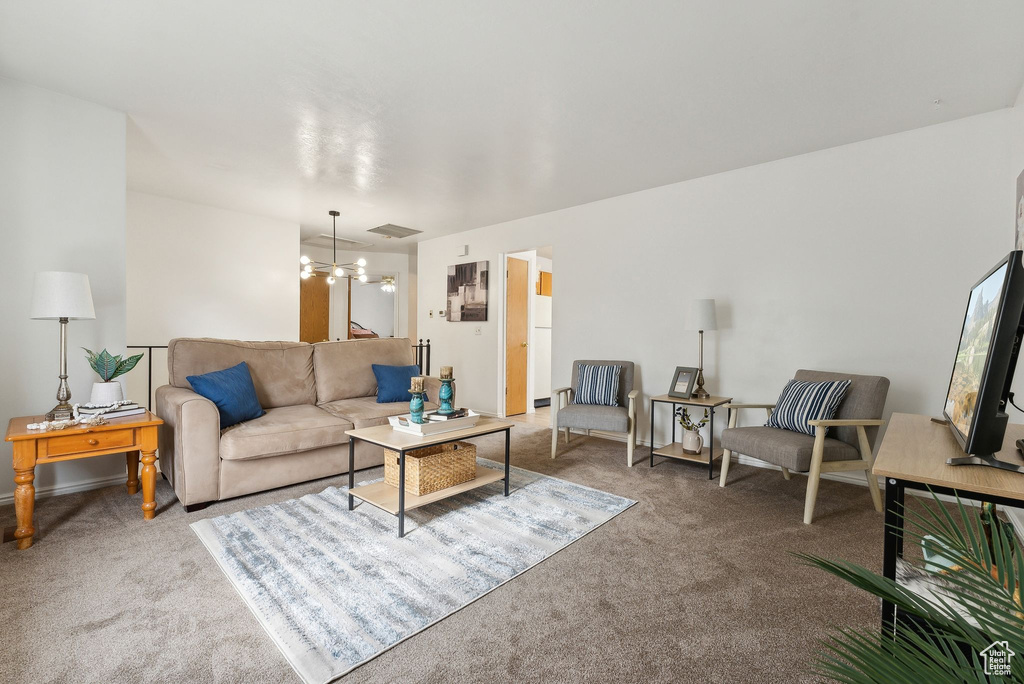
[[458, 413], [117, 410]]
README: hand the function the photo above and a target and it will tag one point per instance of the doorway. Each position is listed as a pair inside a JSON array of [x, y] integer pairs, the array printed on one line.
[[527, 331], [517, 334], [314, 310]]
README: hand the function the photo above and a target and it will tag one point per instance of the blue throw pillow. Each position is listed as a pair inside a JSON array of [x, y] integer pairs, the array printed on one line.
[[802, 401], [597, 385], [393, 382], [232, 391]]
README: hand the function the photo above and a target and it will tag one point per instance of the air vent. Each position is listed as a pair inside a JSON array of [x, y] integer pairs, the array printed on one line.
[[392, 231], [324, 240]]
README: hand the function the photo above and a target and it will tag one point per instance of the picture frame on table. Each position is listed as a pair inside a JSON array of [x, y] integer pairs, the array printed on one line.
[[682, 382]]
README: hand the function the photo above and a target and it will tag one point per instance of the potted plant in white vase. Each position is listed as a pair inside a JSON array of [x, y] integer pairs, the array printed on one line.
[[692, 440], [108, 367]]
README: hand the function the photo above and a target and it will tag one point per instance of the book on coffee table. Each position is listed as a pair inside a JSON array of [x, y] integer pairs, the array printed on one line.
[[457, 413], [433, 427]]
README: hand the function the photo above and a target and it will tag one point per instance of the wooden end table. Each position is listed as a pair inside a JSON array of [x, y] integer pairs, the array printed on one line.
[[395, 500], [136, 435], [675, 449]]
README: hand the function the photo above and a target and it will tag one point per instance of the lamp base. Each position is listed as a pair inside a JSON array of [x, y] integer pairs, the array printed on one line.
[[61, 411], [700, 392]]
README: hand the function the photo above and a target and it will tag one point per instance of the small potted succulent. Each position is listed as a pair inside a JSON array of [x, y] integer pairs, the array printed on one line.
[[108, 367], [692, 441]]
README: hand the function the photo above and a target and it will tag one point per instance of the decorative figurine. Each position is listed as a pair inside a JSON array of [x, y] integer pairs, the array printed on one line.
[[446, 394], [416, 403]]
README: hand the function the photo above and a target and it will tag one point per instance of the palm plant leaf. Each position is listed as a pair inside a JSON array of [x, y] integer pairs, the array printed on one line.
[[970, 605]]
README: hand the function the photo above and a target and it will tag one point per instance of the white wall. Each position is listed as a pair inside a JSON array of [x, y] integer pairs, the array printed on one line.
[[62, 207], [199, 271], [855, 258], [398, 264]]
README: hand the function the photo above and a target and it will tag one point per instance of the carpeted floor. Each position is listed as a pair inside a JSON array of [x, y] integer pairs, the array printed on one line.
[[693, 584]]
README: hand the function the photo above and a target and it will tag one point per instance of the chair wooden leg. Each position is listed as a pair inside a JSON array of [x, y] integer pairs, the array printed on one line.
[[814, 476], [554, 441], [786, 475], [630, 445], [869, 461], [566, 431], [726, 454]]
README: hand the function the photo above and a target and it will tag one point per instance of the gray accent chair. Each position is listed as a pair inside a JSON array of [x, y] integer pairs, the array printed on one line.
[[848, 446], [566, 415]]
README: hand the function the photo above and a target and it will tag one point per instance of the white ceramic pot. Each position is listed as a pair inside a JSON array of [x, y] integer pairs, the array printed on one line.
[[106, 393], [692, 441]]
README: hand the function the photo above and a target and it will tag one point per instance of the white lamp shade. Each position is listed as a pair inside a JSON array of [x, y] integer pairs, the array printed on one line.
[[60, 294], [702, 315]]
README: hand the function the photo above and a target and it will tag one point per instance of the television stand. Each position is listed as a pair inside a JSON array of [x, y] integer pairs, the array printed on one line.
[[986, 460]]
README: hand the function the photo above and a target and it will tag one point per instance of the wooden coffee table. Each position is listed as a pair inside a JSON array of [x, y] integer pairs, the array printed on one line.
[[395, 500], [135, 435]]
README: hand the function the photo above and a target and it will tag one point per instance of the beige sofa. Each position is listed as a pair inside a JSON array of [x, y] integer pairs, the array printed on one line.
[[312, 394]]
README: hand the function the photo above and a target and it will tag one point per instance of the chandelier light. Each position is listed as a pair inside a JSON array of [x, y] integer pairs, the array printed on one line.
[[310, 268], [387, 283]]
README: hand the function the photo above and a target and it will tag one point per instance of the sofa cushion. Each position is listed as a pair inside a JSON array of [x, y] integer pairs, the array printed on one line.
[[784, 448], [802, 401], [232, 391], [864, 399], [282, 372], [586, 417], [344, 369], [597, 385], [283, 430], [393, 382], [366, 412]]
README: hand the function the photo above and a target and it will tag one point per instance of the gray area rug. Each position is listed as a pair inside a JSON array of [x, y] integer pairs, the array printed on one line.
[[334, 588]]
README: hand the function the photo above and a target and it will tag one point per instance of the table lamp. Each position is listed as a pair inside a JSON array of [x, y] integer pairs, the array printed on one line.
[[61, 296], [702, 317]]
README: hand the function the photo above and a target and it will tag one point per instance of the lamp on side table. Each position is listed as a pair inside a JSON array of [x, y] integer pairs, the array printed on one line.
[[702, 317], [62, 296]]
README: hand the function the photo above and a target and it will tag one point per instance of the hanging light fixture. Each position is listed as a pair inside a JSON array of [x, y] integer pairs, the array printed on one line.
[[311, 268], [387, 283]]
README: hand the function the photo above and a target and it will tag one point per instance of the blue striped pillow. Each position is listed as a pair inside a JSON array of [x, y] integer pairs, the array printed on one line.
[[802, 401], [597, 385]]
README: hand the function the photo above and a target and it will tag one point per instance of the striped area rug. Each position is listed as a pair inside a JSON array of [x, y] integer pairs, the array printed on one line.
[[335, 588]]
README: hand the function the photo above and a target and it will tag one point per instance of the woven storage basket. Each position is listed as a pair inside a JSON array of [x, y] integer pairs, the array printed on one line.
[[432, 468]]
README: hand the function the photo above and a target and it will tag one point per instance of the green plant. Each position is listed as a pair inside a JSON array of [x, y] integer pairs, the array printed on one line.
[[683, 416], [973, 604], [109, 367]]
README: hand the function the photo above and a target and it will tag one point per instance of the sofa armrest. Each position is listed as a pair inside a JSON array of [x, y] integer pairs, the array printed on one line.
[[560, 394], [189, 444], [631, 398], [846, 422]]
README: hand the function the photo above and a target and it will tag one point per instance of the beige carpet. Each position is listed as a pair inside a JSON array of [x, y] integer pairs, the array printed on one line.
[[693, 584]]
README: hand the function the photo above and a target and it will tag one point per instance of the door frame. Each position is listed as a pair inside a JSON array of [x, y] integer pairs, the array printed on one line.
[[530, 256]]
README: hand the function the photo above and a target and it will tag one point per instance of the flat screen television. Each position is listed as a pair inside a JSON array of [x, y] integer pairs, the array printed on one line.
[[985, 361]]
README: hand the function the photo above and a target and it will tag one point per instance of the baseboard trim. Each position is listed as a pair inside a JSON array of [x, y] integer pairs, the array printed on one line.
[[58, 490]]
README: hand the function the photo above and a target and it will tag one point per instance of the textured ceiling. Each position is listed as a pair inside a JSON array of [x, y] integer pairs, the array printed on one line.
[[445, 115]]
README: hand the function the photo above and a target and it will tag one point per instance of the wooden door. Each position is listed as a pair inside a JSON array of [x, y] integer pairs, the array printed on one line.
[[517, 334], [314, 310]]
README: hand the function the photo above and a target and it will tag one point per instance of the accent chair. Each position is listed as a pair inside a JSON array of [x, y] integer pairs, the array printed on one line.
[[848, 446], [566, 415]]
